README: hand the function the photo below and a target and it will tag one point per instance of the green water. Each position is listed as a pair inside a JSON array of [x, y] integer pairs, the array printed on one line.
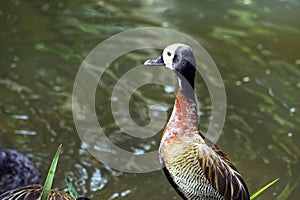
[[255, 45]]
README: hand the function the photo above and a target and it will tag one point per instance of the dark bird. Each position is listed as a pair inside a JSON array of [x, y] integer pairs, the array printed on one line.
[[16, 170], [195, 167], [34, 192]]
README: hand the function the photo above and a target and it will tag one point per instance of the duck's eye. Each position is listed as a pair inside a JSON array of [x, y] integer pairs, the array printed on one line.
[[169, 53]]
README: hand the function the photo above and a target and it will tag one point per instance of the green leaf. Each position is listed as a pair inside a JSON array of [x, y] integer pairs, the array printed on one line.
[[50, 176], [71, 188], [256, 194]]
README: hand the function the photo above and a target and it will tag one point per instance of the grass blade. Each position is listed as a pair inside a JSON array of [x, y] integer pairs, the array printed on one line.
[[50, 176], [71, 188], [256, 194]]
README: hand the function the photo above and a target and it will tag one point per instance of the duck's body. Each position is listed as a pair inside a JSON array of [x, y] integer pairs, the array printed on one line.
[[180, 150], [16, 170], [196, 168], [33, 192]]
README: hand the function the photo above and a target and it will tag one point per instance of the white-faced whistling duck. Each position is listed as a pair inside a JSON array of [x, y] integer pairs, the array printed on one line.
[[195, 167], [34, 192], [16, 170]]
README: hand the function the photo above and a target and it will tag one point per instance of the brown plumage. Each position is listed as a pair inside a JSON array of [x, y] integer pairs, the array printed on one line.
[[195, 167], [33, 192]]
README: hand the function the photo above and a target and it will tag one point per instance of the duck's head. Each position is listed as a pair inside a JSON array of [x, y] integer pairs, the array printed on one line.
[[179, 58]]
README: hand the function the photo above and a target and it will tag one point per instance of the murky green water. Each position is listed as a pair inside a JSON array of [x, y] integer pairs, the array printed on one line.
[[255, 44]]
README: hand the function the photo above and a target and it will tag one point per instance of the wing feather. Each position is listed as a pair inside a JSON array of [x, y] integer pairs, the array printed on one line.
[[221, 173]]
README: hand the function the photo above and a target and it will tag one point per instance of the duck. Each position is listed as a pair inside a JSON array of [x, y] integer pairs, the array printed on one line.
[[196, 167], [16, 170], [34, 192]]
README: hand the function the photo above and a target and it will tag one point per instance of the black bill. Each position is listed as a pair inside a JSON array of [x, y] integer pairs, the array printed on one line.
[[155, 62]]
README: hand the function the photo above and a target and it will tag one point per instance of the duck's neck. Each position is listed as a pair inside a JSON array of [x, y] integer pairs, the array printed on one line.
[[184, 118]]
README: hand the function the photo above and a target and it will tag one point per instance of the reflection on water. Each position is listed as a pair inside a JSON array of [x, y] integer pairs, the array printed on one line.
[[254, 43]]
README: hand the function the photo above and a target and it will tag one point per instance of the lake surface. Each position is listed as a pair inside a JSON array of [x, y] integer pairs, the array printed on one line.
[[255, 45]]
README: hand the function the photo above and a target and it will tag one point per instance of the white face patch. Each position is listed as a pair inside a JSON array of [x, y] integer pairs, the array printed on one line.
[[169, 53]]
